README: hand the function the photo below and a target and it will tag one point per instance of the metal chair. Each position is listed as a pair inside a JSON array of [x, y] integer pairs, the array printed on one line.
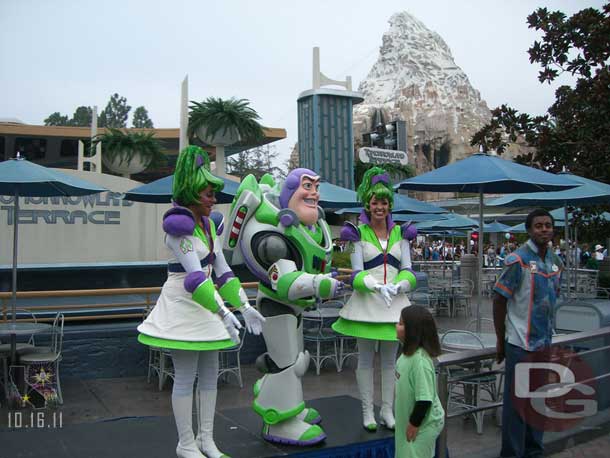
[[348, 346], [21, 347], [229, 362], [160, 362], [465, 386], [45, 357], [320, 341], [462, 296], [487, 325], [422, 297]]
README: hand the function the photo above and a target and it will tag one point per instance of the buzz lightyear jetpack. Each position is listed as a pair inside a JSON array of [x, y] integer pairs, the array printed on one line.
[[281, 236]]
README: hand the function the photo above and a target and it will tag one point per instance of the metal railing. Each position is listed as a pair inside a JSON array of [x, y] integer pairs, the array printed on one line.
[[141, 298], [476, 356]]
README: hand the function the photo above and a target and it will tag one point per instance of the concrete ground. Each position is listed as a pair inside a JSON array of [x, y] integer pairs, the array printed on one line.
[[96, 400]]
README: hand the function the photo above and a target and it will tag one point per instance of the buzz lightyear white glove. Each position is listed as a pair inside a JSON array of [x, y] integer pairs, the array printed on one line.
[[254, 320], [386, 293], [230, 322]]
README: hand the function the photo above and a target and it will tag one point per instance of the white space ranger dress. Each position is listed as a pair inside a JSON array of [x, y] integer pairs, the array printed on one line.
[[177, 321]]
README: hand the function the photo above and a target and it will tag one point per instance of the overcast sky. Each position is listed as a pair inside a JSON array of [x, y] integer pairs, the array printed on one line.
[[57, 55]]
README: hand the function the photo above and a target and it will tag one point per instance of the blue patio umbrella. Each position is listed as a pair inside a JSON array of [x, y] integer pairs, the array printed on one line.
[[590, 192], [482, 173], [406, 209], [445, 233], [405, 204], [495, 227], [333, 196], [451, 221], [160, 191], [520, 228], [22, 178]]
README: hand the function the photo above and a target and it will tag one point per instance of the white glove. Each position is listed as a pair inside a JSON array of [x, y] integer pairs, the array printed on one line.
[[403, 287], [393, 289], [254, 320], [232, 325], [385, 294]]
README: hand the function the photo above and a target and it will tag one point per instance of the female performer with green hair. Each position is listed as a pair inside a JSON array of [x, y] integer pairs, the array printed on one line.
[[381, 264], [190, 317]]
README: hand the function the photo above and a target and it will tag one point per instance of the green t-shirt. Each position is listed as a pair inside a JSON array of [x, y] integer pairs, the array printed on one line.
[[416, 381]]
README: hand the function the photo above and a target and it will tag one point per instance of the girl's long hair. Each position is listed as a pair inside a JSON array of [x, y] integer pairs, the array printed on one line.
[[420, 331]]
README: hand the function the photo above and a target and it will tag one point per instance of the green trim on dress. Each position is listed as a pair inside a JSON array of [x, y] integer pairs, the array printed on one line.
[[373, 331], [183, 345]]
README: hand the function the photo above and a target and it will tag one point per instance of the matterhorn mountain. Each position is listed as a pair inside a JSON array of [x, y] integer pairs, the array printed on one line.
[[415, 79]]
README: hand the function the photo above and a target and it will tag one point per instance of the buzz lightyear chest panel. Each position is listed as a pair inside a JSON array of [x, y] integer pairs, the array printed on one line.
[[379, 262], [264, 234]]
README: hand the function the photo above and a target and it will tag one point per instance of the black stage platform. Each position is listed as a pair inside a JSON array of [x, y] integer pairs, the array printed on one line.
[[236, 433]]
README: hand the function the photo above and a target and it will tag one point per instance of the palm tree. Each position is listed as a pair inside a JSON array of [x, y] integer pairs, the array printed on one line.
[[129, 152], [217, 117]]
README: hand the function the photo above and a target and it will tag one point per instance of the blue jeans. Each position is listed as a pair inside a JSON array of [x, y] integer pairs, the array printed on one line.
[[518, 438]]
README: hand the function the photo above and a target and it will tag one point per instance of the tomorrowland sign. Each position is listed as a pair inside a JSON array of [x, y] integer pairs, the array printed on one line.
[[382, 156]]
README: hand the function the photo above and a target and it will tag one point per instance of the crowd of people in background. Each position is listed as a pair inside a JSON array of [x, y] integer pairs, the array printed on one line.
[[439, 250], [584, 256]]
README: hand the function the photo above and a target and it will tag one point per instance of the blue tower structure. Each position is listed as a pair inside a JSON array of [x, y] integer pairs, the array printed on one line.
[[326, 136]]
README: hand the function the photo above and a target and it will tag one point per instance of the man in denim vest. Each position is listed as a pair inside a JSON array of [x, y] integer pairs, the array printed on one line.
[[523, 308]]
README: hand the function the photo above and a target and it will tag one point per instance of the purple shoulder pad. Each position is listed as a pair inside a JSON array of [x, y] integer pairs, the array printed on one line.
[[409, 231], [349, 233], [178, 221], [219, 222]]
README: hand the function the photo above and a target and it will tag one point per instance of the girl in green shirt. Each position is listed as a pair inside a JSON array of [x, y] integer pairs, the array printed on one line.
[[418, 411]]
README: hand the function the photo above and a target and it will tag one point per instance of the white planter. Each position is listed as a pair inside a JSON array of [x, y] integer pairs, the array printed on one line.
[[221, 138], [124, 168]]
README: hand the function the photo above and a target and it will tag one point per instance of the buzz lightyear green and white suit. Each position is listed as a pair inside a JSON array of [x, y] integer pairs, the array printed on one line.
[[188, 314], [367, 314], [292, 262], [191, 320], [381, 276]]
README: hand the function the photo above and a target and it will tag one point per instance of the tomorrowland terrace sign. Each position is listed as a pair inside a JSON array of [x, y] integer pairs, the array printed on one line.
[[91, 215], [382, 156]]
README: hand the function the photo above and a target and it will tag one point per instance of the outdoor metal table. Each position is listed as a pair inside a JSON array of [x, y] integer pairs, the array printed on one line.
[[457, 341], [19, 329], [323, 313]]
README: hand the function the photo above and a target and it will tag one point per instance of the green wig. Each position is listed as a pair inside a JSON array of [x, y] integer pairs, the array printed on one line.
[[193, 174], [375, 182]]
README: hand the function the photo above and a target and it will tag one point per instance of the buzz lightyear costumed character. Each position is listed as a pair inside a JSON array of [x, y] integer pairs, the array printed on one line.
[[381, 264], [190, 317], [285, 241]]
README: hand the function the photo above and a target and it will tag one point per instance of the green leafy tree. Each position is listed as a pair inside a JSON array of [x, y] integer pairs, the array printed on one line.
[[141, 119], [56, 119], [256, 161], [575, 131], [116, 113], [82, 117]]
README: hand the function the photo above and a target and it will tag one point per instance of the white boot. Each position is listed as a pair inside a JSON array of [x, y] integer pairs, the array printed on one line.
[[206, 408], [183, 413], [387, 398], [364, 377], [310, 415]]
